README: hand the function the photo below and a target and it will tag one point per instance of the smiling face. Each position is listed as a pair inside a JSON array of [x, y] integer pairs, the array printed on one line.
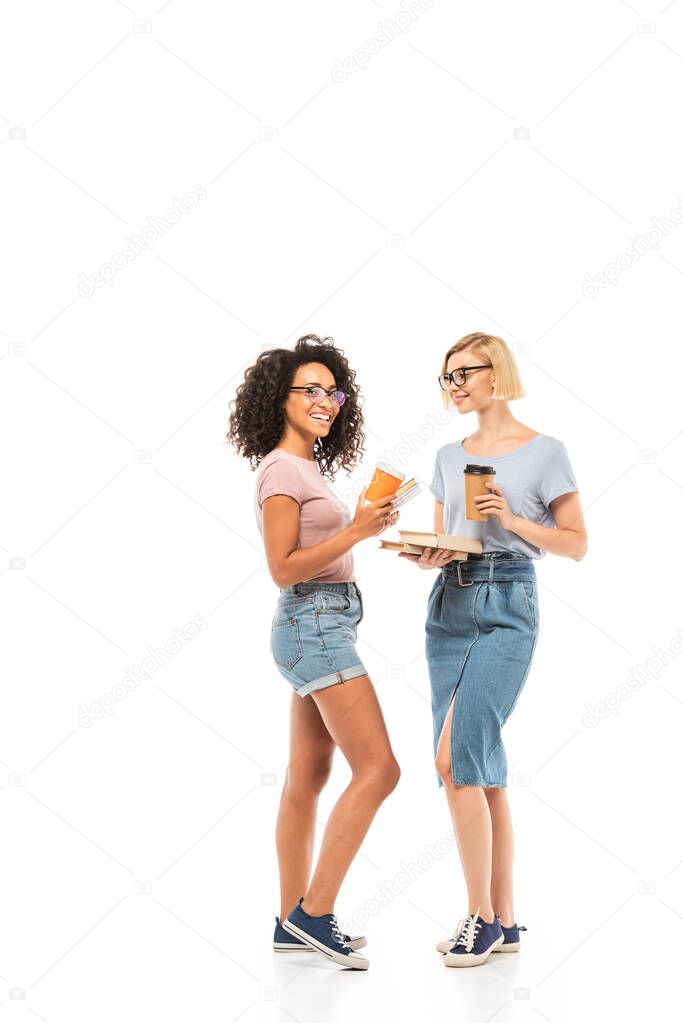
[[308, 417], [476, 392]]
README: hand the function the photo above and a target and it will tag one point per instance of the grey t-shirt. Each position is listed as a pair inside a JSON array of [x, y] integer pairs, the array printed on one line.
[[530, 478]]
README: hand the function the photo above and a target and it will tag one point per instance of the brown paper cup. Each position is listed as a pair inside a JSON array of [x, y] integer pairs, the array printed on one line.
[[476, 478]]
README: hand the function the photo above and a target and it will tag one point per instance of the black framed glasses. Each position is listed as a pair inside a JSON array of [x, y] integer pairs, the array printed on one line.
[[316, 393], [458, 377]]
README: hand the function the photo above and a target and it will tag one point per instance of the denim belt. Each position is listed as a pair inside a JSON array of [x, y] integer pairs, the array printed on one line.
[[492, 557], [351, 588], [497, 556]]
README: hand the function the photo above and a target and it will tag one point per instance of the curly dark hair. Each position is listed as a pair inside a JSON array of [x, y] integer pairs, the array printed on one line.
[[257, 418]]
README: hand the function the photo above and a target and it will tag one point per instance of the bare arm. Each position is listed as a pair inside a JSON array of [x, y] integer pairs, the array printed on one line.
[[569, 540], [289, 564], [438, 516]]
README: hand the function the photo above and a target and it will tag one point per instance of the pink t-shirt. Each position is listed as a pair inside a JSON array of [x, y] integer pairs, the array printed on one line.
[[321, 512]]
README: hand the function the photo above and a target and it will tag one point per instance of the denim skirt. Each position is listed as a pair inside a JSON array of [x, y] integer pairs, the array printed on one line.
[[481, 632], [313, 635]]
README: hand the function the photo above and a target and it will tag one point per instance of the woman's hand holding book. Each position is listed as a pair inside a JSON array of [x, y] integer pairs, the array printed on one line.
[[431, 557], [371, 519]]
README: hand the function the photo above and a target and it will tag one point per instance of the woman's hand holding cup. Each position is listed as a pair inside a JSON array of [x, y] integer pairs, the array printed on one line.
[[371, 519]]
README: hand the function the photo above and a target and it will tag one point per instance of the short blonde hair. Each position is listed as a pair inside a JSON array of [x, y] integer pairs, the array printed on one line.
[[508, 385]]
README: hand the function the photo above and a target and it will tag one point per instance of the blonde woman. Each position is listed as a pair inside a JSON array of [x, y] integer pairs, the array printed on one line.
[[483, 620]]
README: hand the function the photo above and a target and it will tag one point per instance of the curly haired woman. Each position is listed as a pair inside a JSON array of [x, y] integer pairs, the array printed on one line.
[[297, 418]]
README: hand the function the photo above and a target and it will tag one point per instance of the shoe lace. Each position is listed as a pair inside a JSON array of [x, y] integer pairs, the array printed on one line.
[[336, 933], [469, 931]]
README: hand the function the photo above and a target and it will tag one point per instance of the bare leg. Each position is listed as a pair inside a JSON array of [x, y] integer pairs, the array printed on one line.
[[469, 810], [354, 719], [311, 750], [503, 849]]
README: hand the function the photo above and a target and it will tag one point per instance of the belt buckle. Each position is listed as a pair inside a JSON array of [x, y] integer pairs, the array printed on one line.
[[470, 583]]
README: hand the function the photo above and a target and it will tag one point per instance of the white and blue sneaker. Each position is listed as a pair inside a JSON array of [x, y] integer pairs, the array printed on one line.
[[512, 942], [285, 942], [447, 945], [511, 934], [321, 934], [476, 941]]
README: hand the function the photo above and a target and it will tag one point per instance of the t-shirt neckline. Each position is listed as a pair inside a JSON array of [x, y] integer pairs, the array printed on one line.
[[281, 451], [507, 454]]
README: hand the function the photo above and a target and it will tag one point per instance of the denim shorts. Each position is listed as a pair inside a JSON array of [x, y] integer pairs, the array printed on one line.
[[481, 631], [313, 635]]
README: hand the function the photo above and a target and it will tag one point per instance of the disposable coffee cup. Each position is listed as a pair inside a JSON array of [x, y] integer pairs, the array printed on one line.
[[476, 478], [386, 480]]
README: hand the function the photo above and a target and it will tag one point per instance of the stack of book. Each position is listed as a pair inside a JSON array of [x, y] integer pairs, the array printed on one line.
[[413, 542], [406, 492]]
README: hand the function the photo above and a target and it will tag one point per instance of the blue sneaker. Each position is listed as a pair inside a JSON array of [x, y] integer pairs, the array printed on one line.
[[322, 934], [476, 941], [284, 942], [447, 945], [511, 943]]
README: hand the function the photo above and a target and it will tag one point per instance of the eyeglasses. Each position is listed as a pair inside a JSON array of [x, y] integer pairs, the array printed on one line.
[[458, 377], [318, 393]]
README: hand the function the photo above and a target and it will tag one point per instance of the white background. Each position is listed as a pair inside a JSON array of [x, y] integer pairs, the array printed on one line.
[[468, 176]]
